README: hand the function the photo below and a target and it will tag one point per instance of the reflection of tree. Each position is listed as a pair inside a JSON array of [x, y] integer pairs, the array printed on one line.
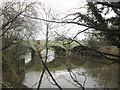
[[105, 75], [20, 23], [93, 19], [47, 14], [74, 78]]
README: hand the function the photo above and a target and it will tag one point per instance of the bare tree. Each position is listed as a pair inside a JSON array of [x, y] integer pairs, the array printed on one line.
[[14, 29], [47, 14]]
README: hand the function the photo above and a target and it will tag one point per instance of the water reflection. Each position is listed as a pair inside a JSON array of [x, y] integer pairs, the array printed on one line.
[[98, 75], [106, 76], [62, 77]]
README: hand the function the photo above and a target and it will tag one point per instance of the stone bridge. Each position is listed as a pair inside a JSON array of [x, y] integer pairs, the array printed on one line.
[[75, 51], [59, 51], [62, 49]]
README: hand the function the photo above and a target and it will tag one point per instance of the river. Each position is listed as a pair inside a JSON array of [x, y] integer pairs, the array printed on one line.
[[62, 77], [99, 77]]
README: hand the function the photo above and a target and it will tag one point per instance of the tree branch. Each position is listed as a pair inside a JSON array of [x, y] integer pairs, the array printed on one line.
[[108, 4]]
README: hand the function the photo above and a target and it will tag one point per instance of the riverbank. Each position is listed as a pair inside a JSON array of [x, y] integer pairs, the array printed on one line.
[[15, 85], [67, 63], [102, 75]]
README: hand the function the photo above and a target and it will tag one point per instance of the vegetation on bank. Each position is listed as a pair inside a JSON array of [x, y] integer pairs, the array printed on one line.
[[21, 23], [10, 67], [105, 73]]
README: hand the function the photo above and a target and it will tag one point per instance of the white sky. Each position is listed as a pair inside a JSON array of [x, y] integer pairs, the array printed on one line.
[[64, 7]]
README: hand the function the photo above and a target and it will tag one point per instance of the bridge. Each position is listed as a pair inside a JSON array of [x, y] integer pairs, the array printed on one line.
[[62, 48], [63, 44]]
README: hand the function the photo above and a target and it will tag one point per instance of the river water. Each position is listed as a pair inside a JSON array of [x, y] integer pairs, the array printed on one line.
[[89, 78], [62, 77]]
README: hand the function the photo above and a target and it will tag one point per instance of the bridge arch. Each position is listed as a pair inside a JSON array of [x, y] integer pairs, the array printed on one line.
[[80, 51], [59, 51]]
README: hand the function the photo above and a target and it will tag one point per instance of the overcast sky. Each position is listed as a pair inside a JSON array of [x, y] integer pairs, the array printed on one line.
[[64, 7]]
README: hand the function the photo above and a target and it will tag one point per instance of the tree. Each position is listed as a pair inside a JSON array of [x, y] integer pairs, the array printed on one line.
[[15, 28], [96, 19]]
